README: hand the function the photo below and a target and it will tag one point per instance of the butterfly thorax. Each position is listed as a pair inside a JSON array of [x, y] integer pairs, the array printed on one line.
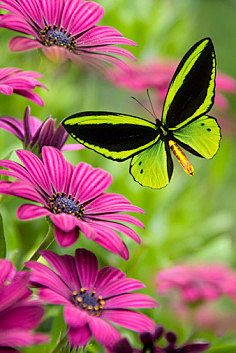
[[168, 138]]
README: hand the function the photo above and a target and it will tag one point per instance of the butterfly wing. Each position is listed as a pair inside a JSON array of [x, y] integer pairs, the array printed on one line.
[[115, 136], [192, 88], [201, 137], [153, 167]]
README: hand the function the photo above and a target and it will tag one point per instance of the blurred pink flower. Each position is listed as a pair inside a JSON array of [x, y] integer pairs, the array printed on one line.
[[18, 314], [202, 282], [158, 74], [72, 197], [92, 299], [13, 80], [64, 29], [34, 134]]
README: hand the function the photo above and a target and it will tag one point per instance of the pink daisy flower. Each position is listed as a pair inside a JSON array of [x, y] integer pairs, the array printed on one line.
[[72, 196], [203, 282], [13, 80], [91, 298], [34, 134], [64, 29], [158, 74], [18, 314]]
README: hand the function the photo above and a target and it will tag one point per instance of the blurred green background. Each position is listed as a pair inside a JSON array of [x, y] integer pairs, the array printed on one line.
[[192, 220]]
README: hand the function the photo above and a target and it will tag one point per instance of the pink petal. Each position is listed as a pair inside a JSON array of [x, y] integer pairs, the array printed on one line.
[[64, 221], [87, 229], [34, 97], [7, 271], [49, 296], [36, 170], [28, 212], [120, 228], [56, 167], [79, 337], [23, 44], [20, 337], [25, 317], [119, 287], [126, 301], [12, 125], [65, 267], [107, 275], [75, 317], [80, 173], [103, 332], [20, 189], [94, 183], [111, 241], [72, 147], [5, 89], [18, 171], [66, 239], [130, 319], [87, 268], [119, 217], [44, 276], [15, 23]]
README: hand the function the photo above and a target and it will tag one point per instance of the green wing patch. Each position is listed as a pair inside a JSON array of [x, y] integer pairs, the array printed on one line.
[[192, 89], [202, 135], [116, 136], [152, 167]]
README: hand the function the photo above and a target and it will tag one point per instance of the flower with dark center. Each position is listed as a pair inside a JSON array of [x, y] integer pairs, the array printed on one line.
[[19, 315], [72, 196], [148, 340], [13, 80], [92, 299], [64, 29], [34, 134]]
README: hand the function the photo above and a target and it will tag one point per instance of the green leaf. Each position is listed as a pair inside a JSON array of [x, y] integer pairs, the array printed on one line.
[[2, 240], [223, 348]]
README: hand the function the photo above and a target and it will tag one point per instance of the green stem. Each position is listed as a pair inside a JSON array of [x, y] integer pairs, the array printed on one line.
[[60, 344], [45, 244]]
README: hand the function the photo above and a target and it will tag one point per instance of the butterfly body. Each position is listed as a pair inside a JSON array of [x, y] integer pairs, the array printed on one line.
[[184, 124]]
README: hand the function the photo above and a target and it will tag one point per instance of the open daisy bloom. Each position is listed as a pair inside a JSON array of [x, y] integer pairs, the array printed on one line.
[[34, 134], [18, 314], [91, 298], [64, 29], [72, 196], [13, 80]]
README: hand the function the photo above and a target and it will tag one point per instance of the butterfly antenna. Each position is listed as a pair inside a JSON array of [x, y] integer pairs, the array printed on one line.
[[154, 116]]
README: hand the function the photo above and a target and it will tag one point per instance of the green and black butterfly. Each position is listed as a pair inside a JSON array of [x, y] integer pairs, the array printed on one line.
[[184, 124]]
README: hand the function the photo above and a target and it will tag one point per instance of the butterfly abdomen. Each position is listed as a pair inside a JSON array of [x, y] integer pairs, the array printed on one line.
[[183, 160]]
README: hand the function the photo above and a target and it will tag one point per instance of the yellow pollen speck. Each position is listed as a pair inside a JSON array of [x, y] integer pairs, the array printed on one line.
[[75, 293], [84, 305], [100, 297], [79, 299], [90, 307], [100, 307], [102, 302], [96, 308]]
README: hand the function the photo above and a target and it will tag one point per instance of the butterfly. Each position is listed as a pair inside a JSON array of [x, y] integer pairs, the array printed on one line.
[[184, 124]]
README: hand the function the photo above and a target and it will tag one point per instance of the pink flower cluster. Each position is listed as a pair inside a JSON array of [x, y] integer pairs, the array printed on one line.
[[199, 282]]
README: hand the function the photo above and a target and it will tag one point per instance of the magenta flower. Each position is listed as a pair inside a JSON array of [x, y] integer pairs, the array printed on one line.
[[18, 314], [148, 340], [34, 134], [158, 74], [13, 80], [73, 198], [91, 298], [64, 30], [203, 282]]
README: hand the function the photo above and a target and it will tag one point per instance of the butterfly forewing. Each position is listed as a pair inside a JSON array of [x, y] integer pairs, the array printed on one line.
[[201, 136], [153, 167], [116, 136], [191, 91]]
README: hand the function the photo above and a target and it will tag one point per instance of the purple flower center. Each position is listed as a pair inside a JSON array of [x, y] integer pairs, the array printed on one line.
[[88, 302], [63, 204], [53, 36]]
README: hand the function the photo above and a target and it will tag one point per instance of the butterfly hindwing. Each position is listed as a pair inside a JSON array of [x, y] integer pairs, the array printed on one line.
[[116, 136], [192, 88], [153, 167], [201, 135]]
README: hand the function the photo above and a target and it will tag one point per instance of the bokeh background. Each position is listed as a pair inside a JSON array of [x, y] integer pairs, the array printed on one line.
[[192, 220]]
